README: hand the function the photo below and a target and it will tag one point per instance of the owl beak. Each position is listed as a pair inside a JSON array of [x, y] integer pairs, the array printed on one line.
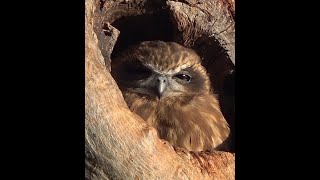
[[161, 85]]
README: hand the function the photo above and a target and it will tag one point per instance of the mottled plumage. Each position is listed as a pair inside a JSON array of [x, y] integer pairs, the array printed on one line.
[[166, 85]]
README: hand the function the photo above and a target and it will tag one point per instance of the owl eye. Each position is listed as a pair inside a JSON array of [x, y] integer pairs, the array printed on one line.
[[183, 77], [138, 71]]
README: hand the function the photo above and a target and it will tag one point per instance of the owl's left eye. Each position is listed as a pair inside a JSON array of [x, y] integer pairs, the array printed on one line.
[[183, 77]]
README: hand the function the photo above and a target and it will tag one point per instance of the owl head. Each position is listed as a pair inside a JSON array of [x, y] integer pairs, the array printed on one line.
[[159, 70]]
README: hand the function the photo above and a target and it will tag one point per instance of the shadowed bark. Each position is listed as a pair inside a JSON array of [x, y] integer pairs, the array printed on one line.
[[118, 143]]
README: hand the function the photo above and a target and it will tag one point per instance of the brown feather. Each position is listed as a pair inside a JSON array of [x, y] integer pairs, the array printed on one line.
[[196, 124]]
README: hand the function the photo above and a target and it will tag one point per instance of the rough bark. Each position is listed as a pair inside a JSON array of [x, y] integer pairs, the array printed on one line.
[[118, 143]]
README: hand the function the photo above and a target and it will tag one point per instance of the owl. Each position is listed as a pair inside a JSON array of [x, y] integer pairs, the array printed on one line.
[[166, 85]]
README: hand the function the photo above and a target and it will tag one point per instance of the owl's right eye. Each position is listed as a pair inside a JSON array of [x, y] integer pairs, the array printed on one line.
[[139, 71]]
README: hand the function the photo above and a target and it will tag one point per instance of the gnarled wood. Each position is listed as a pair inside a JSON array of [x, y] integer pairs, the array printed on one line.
[[118, 143], [204, 20]]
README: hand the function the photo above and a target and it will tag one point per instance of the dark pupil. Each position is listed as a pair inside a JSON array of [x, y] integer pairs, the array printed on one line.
[[183, 77]]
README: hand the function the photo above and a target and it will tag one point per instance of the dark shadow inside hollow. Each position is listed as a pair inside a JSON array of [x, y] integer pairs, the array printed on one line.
[[159, 26], [146, 27]]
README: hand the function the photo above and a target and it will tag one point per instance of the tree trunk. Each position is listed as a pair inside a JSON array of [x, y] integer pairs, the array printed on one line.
[[118, 143]]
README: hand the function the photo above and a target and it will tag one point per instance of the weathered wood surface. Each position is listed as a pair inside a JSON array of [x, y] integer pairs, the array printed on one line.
[[119, 144]]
